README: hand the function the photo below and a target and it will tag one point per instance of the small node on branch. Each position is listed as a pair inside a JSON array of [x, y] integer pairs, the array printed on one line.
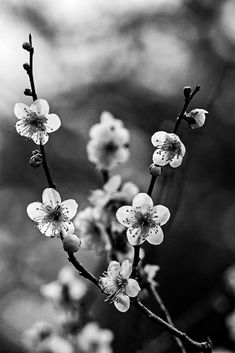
[[26, 66], [155, 170], [28, 92], [36, 159], [27, 46], [187, 91]]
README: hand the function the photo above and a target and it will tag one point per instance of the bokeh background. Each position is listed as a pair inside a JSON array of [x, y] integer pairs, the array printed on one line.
[[132, 58]]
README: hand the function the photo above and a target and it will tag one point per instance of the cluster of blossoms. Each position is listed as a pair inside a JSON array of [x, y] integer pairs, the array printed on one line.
[[119, 220], [72, 331]]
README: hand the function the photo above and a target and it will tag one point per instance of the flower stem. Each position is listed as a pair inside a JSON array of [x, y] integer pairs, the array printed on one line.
[[205, 347], [34, 96], [165, 313]]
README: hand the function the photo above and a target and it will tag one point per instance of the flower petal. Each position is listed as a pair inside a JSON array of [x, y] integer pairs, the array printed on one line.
[[51, 197], [160, 157], [40, 106], [155, 236], [49, 229], [40, 137], [126, 216], [22, 128], [69, 208], [142, 202], [113, 269], [21, 110], [132, 288], [134, 236], [53, 123], [122, 302], [126, 269], [161, 214], [36, 211], [159, 137], [66, 227], [176, 161], [113, 184]]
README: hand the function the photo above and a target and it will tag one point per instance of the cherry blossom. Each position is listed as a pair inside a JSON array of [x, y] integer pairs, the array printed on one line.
[[52, 216], [196, 118], [109, 143], [169, 149], [118, 285], [35, 122], [93, 339], [143, 220]]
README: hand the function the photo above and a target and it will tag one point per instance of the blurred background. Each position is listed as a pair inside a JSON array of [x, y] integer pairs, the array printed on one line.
[[132, 58]]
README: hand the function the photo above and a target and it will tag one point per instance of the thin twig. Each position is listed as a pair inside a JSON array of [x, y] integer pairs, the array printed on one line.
[[165, 313], [34, 96], [205, 347]]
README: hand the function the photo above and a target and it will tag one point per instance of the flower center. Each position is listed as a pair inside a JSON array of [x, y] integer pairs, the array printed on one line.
[[55, 214], [36, 122], [143, 220], [111, 147], [172, 147]]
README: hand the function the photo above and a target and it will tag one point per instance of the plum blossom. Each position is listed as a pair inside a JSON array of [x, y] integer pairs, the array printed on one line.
[[66, 289], [196, 118], [143, 220], [109, 142], [35, 122], [51, 215], [93, 339], [169, 149], [36, 334], [118, 285], [92, 231]]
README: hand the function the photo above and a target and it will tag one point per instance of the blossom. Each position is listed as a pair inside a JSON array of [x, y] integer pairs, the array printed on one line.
[[143, 220], [169, 149], [92, 231], [68, 287], [118, 285], [196, 118], [93, 339], [55, 344], [36, 334], [109, 142], [35, 122], [51, 215]]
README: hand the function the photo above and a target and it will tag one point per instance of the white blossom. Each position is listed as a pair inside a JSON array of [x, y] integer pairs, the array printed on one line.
[[51, 215], [143, 220], [169, 149], [197, 118], [118, 285], [93, 339], [35, 122], [109, 142]]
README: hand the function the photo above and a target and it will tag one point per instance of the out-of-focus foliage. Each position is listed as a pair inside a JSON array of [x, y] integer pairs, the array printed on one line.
[[131, 58]]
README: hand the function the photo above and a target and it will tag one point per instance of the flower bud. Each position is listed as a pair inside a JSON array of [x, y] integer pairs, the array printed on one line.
[[187, 91], [196, 118], [155, 170], [26, 66], [36, 159], [71, 243], [26, 46], [27, 92]]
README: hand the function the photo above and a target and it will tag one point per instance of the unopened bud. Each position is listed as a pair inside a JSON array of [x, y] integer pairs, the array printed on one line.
[[155, 170], [187, 91], [71, 243], [26, 46], [27, 92], [196, 118], [36, 159], [26, 66]]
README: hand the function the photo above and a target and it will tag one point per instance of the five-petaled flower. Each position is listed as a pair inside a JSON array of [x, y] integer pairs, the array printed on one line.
[[35, 122], [143, 220], [52, 216], [109, 142], [169, 149], [118, 285], [196, 118]]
